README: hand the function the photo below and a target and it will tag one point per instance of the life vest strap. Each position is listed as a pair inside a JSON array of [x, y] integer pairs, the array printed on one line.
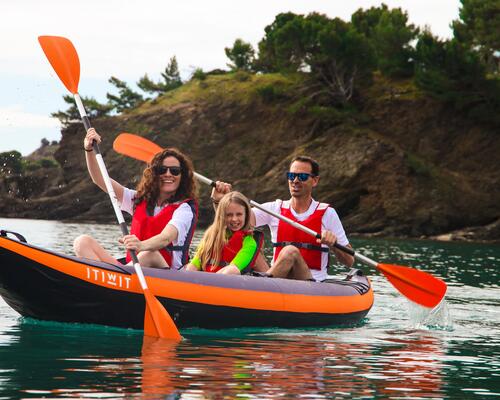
[[301, 245], [174, 248], [221, 263]]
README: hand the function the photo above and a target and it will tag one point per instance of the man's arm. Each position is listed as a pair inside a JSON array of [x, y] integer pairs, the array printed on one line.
[[334, 232]]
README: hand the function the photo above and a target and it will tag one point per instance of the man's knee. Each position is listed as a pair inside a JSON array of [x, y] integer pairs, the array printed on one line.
[[289, 252]]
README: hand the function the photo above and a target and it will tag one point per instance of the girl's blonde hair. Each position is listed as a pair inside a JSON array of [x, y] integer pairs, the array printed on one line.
[[215, 237]]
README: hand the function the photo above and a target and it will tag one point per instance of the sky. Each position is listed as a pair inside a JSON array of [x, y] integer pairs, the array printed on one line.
[[128, 38]]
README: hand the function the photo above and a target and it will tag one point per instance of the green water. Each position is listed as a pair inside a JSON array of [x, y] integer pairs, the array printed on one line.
[[399, 351]]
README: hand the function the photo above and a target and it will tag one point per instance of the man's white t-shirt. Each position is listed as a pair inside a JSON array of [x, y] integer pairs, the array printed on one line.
[[181, 219], [330, 222]]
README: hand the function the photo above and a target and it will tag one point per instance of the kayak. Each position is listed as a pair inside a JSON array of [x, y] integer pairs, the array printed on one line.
[[46, 285]]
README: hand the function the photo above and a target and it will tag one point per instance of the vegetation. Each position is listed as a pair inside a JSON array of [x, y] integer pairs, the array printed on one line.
[[242, 56], [336, 62], [13, 163], [171, 80]]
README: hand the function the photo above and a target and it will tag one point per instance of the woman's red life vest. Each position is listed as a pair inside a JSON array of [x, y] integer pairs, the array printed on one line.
[[232, 247], [288, 235], [145, 226]]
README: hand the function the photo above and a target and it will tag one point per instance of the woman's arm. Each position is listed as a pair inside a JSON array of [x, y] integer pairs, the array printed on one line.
[[160, 241], [93, 166]]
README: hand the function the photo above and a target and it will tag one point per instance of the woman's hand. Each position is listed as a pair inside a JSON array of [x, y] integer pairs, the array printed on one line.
[[89, 139], [131, 242]]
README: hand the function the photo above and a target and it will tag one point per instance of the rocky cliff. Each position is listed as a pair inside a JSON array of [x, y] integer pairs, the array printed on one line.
[[404, 165]]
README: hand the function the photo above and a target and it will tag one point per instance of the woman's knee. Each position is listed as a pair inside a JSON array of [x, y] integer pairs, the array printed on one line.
[[82, 242]]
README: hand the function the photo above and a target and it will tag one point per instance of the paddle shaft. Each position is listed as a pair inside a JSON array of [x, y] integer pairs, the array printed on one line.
[[359, 257], [109, 188]]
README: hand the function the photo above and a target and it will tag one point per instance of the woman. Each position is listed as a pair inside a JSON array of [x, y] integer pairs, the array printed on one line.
[[228, 245], [163, 209]]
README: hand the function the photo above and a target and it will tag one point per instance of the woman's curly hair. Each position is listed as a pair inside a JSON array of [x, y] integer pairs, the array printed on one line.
[[148, 187]]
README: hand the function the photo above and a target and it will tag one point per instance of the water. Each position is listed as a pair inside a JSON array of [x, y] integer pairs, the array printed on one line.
[[399, 351]]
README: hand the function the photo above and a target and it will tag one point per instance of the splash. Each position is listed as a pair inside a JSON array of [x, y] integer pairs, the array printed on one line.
[[437, 318]]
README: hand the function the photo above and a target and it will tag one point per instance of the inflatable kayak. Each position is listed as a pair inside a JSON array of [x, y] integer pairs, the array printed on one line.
[[46, 285]]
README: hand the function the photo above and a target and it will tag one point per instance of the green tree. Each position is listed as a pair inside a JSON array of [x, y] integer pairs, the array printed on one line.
[[171, 80], [390, 35], [344, 61], [454, 74], [92, 106], [11, 162], [479, 29], [279, 50], [241, 55], [335, 56], [126, 98]]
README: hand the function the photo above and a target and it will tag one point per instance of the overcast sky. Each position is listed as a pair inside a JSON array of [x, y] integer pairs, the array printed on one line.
[[129, 38]]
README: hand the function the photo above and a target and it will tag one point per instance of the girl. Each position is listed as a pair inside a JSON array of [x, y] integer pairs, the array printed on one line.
[[228, 245]]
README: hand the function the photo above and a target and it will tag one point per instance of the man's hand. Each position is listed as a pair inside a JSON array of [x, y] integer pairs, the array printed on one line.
[[328, 238]]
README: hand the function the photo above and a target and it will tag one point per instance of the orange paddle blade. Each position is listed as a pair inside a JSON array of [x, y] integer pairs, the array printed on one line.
[[136, 147], [157, 321], [63, 57], [418, 286]]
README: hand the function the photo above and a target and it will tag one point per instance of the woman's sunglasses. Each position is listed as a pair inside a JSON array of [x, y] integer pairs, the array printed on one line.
[[162, 169], [303, 176]]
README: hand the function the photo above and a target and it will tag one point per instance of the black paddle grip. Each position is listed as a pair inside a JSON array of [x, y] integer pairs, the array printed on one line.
[[345, 249]]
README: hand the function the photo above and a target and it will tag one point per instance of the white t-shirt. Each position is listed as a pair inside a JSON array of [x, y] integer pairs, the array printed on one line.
[[330, 222], [181, 219]]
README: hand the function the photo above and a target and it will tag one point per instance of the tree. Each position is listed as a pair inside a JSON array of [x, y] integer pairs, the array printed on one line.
[[390, 36], [126, 99], [241, 55], [343, 61], [454, 74], [11, 162], [479, 29], [171, 80], [279, 50], [92, 106], [334, 55]]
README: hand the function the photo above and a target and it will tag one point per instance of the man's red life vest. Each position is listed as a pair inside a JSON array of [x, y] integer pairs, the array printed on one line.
[[288, 235], [232, 247], [145, 226]]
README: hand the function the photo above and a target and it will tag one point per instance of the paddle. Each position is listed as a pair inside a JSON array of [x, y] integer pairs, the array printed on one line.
[[418, 286], [64, 59]]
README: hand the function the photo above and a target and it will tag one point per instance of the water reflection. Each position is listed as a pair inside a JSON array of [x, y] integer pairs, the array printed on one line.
[[310, 366], [63, 360]]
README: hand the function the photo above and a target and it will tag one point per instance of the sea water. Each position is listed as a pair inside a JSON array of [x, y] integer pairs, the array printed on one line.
[[400, 351]]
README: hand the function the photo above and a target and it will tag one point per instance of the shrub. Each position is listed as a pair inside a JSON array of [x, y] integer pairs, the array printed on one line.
[[199, 74], [242, 76], [270, 93]]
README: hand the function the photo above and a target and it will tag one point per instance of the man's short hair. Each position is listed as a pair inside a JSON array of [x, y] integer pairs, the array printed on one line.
[[314, 164]]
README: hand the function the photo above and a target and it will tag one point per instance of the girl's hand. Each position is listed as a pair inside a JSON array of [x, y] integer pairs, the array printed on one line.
[[89, 138], [220, 189]]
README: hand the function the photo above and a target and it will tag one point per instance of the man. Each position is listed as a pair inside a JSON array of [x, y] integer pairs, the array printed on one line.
[[298, 255]]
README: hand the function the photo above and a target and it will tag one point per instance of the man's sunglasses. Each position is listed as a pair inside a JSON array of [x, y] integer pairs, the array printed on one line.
[[303, 176], [162, 169]]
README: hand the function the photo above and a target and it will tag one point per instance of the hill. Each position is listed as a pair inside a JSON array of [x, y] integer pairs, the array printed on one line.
[[401, 164]]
